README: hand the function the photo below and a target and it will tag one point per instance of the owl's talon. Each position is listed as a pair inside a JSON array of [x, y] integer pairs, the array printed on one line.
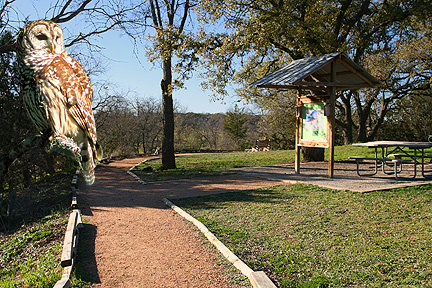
[[66, 146]]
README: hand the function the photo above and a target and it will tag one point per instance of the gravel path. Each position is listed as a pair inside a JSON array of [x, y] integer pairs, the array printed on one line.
[[139, 242]]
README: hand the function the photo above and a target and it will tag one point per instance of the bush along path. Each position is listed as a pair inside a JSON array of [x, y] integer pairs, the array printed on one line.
[[132, 239]]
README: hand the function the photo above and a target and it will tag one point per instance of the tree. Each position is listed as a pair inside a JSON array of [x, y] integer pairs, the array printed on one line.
[[264, 35], [116, 126], [149, 122], [101, 17], [234, 126], [186, 136], [168, 20], [210, 128], [278, 121]]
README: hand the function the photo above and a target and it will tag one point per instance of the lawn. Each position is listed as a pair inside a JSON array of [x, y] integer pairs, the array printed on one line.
[[306, 236]]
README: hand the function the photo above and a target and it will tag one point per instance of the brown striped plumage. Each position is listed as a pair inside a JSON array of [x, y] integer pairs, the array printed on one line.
[[57, 93]]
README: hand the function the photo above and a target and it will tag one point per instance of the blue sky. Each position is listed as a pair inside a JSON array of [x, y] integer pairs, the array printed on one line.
[[142, 77], [127, 73]]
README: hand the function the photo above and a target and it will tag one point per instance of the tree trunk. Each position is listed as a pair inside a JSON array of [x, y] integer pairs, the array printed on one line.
[[313, 154], [348, 125], [348, 139], [168, 158], [362, 130], [144, 143]]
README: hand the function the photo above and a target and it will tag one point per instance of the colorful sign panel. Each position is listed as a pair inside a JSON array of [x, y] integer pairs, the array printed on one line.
[[314, 122]]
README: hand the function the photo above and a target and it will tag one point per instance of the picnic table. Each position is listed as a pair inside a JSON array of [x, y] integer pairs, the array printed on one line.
[[396, 154]]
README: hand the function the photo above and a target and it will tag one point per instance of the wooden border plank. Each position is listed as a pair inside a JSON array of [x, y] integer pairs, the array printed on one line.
[[74, 182], [259, 279], [64, 282], [74, 204], [69, 240]]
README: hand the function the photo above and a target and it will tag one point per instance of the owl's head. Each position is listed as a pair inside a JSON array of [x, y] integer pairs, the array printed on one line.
[[41, 35]]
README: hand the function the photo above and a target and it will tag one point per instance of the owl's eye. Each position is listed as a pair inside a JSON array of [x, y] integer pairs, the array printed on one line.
[[42, 37]]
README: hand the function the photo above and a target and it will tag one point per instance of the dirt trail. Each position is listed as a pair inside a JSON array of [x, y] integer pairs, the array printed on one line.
[[138, 241]]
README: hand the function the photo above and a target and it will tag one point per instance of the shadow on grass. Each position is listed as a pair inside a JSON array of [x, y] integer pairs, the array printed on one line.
[[262, 195], [40, 200]]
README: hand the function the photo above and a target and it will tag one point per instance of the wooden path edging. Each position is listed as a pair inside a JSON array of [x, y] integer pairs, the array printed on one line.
[[71, 239], [258, 279]]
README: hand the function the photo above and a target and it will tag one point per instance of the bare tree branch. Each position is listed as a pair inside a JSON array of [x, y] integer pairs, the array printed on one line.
[[64, 16], [82, 37], [5, 5], [102, 18], [185, 15]]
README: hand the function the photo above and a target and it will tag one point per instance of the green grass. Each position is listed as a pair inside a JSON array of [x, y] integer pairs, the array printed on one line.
[[341, 153], [306, 236], [30, 249], [31, 256]]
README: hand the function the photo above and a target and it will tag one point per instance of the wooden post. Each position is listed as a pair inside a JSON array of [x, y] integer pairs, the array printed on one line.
[[298, 130], [332, 119]]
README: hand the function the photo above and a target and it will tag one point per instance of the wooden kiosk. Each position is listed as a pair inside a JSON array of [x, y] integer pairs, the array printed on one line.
[[322, 76]]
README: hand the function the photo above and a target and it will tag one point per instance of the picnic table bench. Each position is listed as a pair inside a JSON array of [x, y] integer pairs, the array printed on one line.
[[392, 154], [383, 162], [261, 145]]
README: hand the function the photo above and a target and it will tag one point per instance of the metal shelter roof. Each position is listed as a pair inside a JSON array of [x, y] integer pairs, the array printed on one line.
[[315, 73]]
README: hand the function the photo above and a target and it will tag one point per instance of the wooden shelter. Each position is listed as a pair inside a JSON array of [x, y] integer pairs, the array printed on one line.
[[322, 76]]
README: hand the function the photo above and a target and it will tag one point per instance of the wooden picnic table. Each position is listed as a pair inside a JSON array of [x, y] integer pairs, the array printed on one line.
[[395, 152]]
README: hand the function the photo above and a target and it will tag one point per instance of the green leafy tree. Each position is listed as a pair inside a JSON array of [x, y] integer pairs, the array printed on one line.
[[261, 36], [278, 121], [234, 126]]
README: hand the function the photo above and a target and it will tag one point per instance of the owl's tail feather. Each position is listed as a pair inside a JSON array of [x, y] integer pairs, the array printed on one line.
[[87, 164]]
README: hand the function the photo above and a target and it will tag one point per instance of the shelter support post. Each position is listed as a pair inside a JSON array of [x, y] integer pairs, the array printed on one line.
[[298, 136], [331, 120]]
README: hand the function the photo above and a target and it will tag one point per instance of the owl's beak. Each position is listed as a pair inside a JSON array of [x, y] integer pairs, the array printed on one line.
[[52, 47]]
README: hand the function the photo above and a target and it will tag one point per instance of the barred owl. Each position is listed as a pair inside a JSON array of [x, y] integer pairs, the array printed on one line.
[[57, 94]]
